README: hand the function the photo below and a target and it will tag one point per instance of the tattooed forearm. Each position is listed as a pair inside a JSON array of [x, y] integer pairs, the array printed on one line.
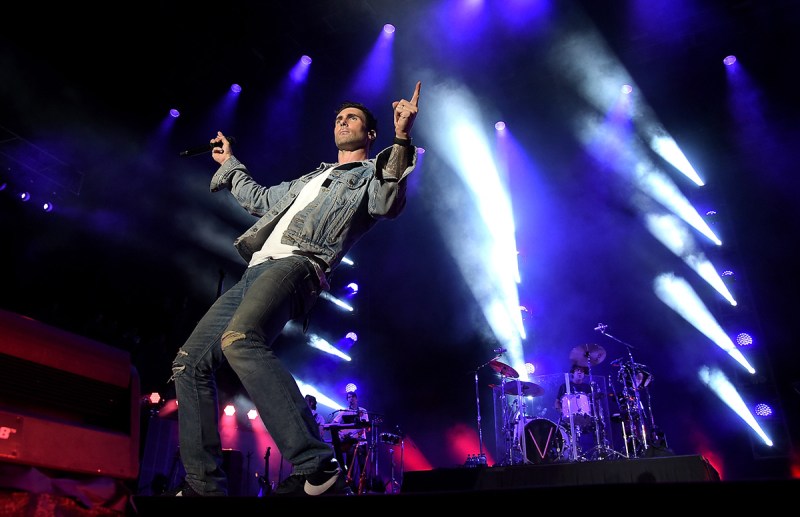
[[397, 162]]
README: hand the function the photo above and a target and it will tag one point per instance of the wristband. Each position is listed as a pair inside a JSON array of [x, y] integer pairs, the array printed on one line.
[[405, 142]]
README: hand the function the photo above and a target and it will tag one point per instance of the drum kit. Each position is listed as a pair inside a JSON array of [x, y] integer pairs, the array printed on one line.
[[581, 431]]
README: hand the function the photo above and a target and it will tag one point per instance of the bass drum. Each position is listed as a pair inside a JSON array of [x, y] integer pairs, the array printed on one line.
[[545, 442]]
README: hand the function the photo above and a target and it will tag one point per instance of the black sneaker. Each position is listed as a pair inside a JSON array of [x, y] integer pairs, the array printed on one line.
[[186, 490], [327, 479], [293, 485]]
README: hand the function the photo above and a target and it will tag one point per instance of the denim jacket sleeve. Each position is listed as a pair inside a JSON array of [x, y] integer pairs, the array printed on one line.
[[252, 196], [388, 195]]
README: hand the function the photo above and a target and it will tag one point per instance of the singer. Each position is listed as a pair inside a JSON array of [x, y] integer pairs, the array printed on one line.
[[304, 228]]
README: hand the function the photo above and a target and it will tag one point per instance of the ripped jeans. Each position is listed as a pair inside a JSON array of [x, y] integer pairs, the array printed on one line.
[[239, 328]]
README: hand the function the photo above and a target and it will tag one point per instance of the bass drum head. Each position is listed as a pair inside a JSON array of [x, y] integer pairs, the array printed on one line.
[[545, 442]]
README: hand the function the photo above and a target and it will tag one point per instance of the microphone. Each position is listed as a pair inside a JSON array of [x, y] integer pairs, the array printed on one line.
[[200, 149], [499, 350], [601, 327]]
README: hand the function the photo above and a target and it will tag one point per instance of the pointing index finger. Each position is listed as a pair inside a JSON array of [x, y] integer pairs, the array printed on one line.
[[415, 98]]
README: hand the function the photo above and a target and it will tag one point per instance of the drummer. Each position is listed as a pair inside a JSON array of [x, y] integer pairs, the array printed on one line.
[[578, 375]]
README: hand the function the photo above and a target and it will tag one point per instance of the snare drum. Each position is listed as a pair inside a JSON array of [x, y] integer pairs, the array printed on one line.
[[545, 442], [577, 405]]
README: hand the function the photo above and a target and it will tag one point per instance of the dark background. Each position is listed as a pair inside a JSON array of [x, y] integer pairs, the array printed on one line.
[[138, 248]]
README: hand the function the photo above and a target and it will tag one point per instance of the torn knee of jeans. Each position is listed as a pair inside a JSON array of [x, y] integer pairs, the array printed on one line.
[[177, 369], [230, 337]]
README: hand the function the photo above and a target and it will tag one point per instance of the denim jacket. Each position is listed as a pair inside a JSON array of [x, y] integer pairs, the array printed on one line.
[[352, 199]]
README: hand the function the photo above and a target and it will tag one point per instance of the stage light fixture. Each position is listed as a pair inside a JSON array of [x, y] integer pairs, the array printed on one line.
[[252, 414], [388, 28], [729, 60], [744, 339], [763, 410], [174, 113], [500, 125], [229, 410], [24, 196], [626, 89], [47, 206], [350, 388], [235, 88]]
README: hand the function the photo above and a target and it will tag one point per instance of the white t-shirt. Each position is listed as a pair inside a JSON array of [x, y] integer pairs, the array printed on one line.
[[274, 248]]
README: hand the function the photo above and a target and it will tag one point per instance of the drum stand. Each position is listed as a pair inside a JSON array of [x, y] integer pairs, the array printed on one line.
[[513, 448], [394, 484], [601, 451]]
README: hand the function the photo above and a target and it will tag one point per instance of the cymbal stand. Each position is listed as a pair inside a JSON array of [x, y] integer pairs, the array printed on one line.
[[516, 420], [370, 471], [656, 436], [481, 457], [633, 405], [602, 450], [631, 395], [622, 420], [394, 483]]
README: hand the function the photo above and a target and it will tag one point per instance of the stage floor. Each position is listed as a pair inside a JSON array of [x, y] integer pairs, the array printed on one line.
[[674, 483]]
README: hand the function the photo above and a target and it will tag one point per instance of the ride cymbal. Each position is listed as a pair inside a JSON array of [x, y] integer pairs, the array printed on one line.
[[582, 355], [503, 369], [524, 388]]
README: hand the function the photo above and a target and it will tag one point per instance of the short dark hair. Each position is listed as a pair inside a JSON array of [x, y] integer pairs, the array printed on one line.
[[311, 400], [372, 122], [576, 367]]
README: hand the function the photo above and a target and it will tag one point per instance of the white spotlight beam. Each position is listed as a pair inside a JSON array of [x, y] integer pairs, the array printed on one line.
[[723, 388], [328, 296], [322, 399], [582, 57], [321, 344], [674, 236], [482, 240], [662, 189], [678, 295], [627, 158], [667, 148]]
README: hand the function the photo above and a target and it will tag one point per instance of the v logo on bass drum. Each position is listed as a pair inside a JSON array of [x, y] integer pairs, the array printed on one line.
[[545, 442]]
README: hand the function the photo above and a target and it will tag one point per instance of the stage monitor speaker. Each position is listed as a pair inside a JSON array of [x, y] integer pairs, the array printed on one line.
[[67, 403]]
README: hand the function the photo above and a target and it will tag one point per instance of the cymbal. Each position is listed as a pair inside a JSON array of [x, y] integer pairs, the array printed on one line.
[[582, 355], [528, 389], [503, 369]]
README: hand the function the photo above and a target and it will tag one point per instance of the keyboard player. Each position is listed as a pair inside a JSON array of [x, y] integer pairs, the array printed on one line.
[[350, 427]]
